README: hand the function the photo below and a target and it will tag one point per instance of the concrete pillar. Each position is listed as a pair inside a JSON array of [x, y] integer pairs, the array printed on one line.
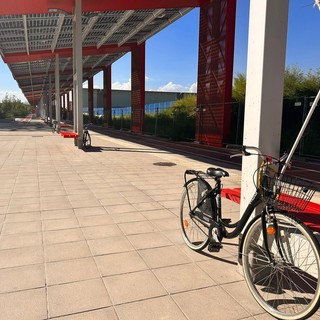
[[90, 99], [264, 92], [77, 72], [50, 99], [68, 105], [57, 92], [107, 96]]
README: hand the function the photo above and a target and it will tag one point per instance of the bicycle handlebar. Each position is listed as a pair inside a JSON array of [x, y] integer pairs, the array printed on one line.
[[245, 153]]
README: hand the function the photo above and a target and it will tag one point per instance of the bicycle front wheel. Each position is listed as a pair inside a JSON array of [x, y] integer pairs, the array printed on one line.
[[86, 140], [287, 286], [195, 233]]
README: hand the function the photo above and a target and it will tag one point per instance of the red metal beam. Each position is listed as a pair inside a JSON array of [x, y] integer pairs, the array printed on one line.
[[43, 6], [65, 53]]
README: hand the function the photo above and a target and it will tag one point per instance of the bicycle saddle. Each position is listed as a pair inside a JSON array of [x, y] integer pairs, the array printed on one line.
[[217, 172]]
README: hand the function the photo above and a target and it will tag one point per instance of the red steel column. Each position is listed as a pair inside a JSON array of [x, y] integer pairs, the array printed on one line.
[[215, 71], [138, 88], [107, 96], [90, 99]]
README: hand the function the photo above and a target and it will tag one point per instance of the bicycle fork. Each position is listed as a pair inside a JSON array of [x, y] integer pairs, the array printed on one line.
[[270, 233]]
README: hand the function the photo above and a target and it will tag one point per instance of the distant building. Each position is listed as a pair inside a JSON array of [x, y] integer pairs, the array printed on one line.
[[122, 99]]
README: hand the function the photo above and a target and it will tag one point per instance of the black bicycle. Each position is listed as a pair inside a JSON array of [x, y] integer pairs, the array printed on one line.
[[279, 254], [54, 126], [86, 139]]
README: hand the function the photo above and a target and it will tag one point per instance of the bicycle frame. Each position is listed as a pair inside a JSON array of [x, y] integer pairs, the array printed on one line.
[[218, 221]]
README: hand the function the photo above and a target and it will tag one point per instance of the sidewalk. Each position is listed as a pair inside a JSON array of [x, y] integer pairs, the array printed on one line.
[[95, 235]]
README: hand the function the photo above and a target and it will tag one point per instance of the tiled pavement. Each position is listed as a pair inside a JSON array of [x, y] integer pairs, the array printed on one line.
[[95, 235]]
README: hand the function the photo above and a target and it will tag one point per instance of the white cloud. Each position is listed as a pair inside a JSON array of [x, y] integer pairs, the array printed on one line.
[[95, 86], [121, 85], [174, 87], [193, 88]]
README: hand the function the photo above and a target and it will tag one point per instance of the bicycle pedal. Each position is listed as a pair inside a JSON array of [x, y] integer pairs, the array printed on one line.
[[214, 246], [226, 220]]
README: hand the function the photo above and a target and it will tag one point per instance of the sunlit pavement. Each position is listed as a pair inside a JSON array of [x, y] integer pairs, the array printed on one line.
[[95, 235]]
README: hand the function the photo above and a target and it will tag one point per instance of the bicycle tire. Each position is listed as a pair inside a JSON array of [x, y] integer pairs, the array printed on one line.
[[195, 235], [288, 287], [53, 128], [86, 140]]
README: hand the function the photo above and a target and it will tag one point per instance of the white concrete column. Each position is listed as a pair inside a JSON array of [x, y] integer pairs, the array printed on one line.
[[57, 92], [77, 71], [268, 22], [50, 99]]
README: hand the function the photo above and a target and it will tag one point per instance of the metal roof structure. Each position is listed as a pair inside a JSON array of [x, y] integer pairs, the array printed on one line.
[[32, 32]]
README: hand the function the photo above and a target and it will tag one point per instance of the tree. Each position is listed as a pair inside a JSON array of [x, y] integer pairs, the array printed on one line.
[[11, 107], [239, 87], [186, 105]]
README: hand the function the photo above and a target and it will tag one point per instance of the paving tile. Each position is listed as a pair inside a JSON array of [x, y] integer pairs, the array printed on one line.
[[21, 257], [89, 211], [212, 301], [22, 278], [114, 201], [137, 227], [147, 206], [103, 231], [71, 271], [113, 264], [164, 256], [109, 245], [183, 277], [150, 309], [221, 274], [85, 203], [101, 314], [57, 224], [121, 208], [128, 217], [133, 286], [240, 292], [60, 236], [23, 217], [158, 214], [149, 240], [95, 220], [66, 251], [23, 208], [3, 209], [167, 224], [32, 304], [77, 297], [20, 240], [21, 227], [57, 214]]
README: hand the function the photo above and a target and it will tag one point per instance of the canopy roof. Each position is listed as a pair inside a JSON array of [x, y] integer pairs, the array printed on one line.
[[32, 32]]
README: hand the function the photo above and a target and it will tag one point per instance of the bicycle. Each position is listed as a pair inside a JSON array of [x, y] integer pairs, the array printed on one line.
[[54, 126], [279, 254], [86, 139]]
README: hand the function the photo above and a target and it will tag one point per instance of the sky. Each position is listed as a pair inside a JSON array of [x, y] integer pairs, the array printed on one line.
[[172, 54]]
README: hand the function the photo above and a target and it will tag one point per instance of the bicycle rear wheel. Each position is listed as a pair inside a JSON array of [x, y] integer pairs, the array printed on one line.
[[288, 286], [194, 233], [86, 140]]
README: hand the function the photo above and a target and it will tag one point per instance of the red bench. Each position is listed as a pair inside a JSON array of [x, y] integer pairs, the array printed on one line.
[[68, 134], [310, 216]]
